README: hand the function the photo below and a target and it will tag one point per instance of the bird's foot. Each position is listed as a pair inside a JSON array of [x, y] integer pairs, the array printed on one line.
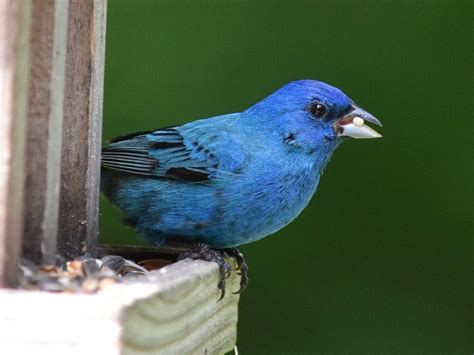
[[202, 251], [242, 267]]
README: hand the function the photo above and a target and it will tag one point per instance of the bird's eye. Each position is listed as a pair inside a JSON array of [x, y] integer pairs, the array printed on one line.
[[316, 109]]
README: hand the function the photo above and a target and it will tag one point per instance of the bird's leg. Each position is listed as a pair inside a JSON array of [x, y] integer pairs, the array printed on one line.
[[241, 267], [202, 251]]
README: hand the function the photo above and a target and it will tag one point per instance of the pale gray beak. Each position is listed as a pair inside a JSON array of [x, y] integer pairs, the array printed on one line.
[[353, 124]]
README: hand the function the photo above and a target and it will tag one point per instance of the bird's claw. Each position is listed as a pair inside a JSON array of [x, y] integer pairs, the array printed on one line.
[[202, 251], [241, 267]]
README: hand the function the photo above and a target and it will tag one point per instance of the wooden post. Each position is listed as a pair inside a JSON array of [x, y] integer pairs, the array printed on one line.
[[14, 26], [45, 115], [82, 128]]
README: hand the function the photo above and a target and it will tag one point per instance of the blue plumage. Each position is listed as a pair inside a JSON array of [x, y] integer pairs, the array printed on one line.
[[236, 178]]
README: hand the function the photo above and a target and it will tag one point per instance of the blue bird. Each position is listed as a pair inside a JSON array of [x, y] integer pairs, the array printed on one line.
[[233, 179]]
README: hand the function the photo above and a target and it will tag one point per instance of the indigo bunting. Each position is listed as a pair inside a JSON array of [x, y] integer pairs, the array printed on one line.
[[233, 179]]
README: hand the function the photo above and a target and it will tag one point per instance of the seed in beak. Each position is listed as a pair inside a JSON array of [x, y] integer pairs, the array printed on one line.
[[358, 121]]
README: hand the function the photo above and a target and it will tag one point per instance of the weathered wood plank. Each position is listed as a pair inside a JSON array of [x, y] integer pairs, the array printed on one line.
[[173, 310], [44, 135], [14, 32], [82, 128], [184, 319]]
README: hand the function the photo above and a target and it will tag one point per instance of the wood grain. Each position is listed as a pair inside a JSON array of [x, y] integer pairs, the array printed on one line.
[[173, 310], [14, 32], [44, 123], [82, 128], [183, 320]]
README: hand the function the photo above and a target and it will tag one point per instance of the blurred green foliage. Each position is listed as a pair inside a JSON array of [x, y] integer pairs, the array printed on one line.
[[381, 259]]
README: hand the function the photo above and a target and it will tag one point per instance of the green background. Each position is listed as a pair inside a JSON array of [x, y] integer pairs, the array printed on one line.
[[380, 259]]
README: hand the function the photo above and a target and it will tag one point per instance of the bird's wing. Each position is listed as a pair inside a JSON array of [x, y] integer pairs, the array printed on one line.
[[172, 153]]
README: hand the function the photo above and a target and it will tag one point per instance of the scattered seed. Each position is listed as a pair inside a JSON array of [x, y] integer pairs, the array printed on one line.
[[83, 274], [75, 268], [114, 263], [90, 285], [107, 282], [50, 285], [90, 267]]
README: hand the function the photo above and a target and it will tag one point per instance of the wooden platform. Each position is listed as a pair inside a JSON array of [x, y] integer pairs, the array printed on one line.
[[174, 310]]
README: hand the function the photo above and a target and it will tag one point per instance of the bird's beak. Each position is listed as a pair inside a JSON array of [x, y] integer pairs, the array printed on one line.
[[353, 124]]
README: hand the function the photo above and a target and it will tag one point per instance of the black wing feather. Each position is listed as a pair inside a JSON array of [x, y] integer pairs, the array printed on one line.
[[163, 156]]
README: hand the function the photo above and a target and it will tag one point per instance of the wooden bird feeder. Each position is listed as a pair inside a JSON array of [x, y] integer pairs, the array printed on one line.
[[51, 88]]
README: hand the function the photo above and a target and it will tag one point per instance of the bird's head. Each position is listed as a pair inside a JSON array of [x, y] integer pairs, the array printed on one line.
[[312, 115]]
